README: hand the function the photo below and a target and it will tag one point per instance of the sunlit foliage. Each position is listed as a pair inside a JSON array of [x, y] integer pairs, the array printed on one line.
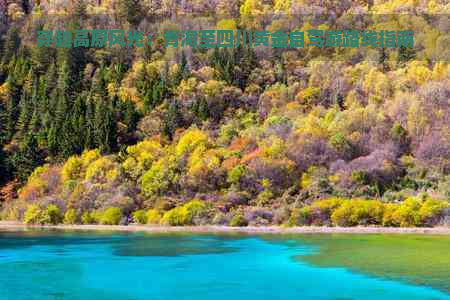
[[257, 135]]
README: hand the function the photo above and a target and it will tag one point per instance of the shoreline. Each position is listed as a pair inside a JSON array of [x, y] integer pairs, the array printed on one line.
[[226, 229]]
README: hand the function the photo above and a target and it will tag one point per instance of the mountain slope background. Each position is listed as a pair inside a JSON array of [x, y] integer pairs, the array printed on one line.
[[238, 136]]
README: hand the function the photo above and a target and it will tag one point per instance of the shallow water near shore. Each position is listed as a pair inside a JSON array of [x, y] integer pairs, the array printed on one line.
[[43, 264]]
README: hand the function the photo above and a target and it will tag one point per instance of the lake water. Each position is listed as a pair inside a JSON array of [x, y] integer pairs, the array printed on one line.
[[80, 265]]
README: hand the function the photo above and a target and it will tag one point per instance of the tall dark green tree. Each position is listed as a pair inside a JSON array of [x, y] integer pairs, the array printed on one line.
[[28, 101], [4, 174], [11, 45], [61, 104], [104, 123], [245, 62], [79, 10], [89, 138], [51, 79], [106, 126], [183, 70], [52, 140], [28, 157], [382, 58], [12, 107], [78, 123], [405, 54], [173, 119], [25, 113], [130, 11], [130, 115]]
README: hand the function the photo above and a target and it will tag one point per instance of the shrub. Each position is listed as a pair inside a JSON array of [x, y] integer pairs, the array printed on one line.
[[173, 217], [164, 204], [51, 215], [342, 216], [375, 211], [191, 139], [264, 198], [70, 217], [414, 211], [72, 169], [140, 217], [321, 210], [86, 218], [141, 156], [43, 181], [202, 163], [102, 170], [193, 210], [75, 167], [33, 214], [258, 216], [186, 214], [153, 216], [160, 176], [308, 95], [235, 174], [10, 212], [220, 219], [389, 215], [407, 214], [94, 217], [432, 211], [300, 216], [358, 212], [238, 221], [111, 216]]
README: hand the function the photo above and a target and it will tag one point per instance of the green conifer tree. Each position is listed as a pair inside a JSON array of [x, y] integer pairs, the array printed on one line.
[[27, 158]]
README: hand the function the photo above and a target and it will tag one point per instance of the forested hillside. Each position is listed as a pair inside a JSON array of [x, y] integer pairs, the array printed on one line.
[[241, 135]]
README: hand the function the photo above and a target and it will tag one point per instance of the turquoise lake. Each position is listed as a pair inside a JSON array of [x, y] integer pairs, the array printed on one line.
[[130, 266]]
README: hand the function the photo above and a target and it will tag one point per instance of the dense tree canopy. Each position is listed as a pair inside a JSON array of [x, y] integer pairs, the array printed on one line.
[[226, 135]]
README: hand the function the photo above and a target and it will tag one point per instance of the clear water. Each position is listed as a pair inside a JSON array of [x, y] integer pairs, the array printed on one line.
[[75, 265]]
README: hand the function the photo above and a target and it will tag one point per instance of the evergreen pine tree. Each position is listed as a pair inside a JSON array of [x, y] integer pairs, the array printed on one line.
[[173, 119], [60, 107], [405, 54], [105, 126], [246, 61], [25, 114], [12, 107], [104, 122], [89, 138], [183, 70], [78, 123], [42, 57], [4, 174], [79, 10], [130, 11], [51, 78], [11, 44], [35, 126], [383, 56], [52, 140], [3, 127], [27, 158], [130, 116]]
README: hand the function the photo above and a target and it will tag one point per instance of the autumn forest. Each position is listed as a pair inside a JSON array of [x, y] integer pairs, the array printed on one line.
[[228, 136]]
